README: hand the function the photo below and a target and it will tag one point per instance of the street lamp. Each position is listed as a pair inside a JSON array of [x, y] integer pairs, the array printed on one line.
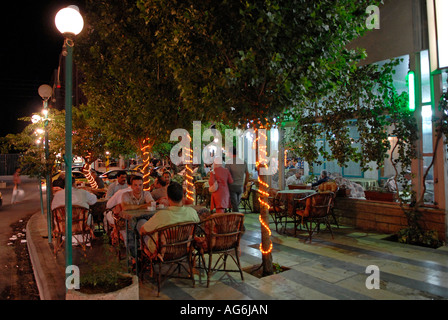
[[70, 23], [45, 92]]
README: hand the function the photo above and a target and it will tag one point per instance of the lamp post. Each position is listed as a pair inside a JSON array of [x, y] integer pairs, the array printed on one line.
[[70, 23], [45, 91]]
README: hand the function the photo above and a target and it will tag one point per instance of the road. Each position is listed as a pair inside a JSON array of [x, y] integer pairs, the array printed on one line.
[[16, 277]]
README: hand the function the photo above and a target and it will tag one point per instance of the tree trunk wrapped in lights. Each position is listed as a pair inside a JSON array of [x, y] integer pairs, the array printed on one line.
[[263, 189], [145, 148], [189, 175]]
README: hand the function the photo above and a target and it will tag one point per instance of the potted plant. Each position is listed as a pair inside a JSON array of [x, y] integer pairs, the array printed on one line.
[[104, 278], [379, 194]]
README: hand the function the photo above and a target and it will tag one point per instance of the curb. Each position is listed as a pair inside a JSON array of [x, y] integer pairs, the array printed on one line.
[[45, 265]]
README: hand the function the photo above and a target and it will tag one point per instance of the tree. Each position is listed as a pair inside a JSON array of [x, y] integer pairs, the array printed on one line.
[[248, 62]]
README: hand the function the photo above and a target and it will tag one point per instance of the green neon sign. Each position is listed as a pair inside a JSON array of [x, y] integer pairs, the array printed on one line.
[[411, 90]]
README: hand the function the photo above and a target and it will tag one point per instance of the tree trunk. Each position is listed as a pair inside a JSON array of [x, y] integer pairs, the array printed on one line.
[[263, 187]]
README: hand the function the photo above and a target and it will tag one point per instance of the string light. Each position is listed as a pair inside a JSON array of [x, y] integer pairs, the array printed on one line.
[[86, 170], [263, 204], [145, 154], [189, 172]]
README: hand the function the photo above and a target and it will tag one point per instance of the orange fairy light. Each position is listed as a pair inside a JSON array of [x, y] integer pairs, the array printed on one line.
[[263, 188], [86, 171], [189, 173]]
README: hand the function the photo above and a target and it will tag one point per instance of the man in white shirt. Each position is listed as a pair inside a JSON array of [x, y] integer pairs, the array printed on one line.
[[114, 204], [295, 179], [80, 197]]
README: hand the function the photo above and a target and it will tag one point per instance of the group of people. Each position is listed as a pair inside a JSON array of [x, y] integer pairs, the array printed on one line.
[[231, 179], [126, 193]]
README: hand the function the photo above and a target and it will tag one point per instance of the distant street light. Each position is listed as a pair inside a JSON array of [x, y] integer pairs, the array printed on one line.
[[70, 23], [45, 92]]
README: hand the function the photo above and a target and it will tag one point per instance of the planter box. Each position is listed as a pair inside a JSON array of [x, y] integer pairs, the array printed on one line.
[[380, 196], [385, 217], [130, 292]]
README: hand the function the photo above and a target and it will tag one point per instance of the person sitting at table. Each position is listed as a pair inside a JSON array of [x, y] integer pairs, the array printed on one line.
[[323, 178], [118, 184], [159, 193], [80, 197], [113, 205], [135, 199], [59, 183], [295, 179], [167, 177], [175, 213]]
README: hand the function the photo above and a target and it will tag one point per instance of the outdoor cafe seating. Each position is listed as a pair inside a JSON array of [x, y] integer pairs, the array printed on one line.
[[220, 235], [313, 210], [81, 231], [172, 247], [245, 198], [282, 206]]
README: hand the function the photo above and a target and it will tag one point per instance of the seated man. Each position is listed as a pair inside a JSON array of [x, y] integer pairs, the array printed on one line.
[[137, 198], [114, 204], [175, 213], [80, 197], [132, 200], [323, 178], [118, 184], [159, 192], [295, 178]]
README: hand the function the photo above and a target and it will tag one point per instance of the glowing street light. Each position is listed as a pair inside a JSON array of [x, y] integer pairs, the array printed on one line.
[[70, 23], [45, 92]]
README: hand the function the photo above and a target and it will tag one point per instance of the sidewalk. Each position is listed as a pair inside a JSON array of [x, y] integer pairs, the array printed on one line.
[[326, 269]]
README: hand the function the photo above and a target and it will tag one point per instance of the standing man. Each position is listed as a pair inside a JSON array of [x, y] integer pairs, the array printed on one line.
[[240, 175], [118, 184]]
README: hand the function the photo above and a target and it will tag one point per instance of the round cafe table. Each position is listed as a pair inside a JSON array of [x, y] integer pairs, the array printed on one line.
[[288, 196]]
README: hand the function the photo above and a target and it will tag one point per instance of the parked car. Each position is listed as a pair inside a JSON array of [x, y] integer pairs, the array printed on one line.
[[111, 175], [79, 176]]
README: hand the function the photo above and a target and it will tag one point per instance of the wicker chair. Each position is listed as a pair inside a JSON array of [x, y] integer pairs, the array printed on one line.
[[173, 247], [278, 209], [116, 237], [80, 227], [314, 209], [219, 234], [245, 198], [199, 190], [330, 186]]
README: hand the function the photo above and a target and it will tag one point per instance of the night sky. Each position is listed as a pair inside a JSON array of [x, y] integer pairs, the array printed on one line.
[[29, 54]]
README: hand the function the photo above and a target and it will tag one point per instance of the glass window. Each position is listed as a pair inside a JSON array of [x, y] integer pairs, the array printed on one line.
[[427, 129], [429, 181], [426, 83]]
